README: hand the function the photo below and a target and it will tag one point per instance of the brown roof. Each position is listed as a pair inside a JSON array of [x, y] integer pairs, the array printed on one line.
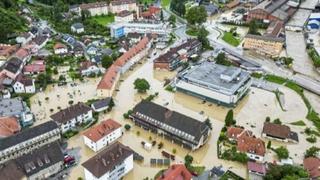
[[274, 29], [93, 5], [233, 4], [107, 159], [7, 50], [103, 129], [176, 172], [234, 132], [276, 130], [11, 171], [120, 2], [71, 112], [85, 65], [108, 78], [25, 80], [124, 13], [9, 126], [22, 53], [251, 144], [312, 165], [59, 46]]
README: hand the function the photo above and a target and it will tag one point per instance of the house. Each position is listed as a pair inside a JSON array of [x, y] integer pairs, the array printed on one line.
[[36, 67], [12, 68], [113, 162], [211, 9], [23, 54], [153, 12], [101, 105], [40, 41], [77, 28], [92, 50], [265, 45], [24, 38], [24, 84], [10, 171], [75, 9], [28, 140], [77, 50], [9, 126], [88, 68], [96, 8], [108, 82], [17, 108], [247, 143], [6, 50], [124, 16], [72, 116], [179, 128], [256, 169], [60, 49], [117, 6], [213, 82], [175, 172], [175, 56], [102, 135], [312, 165], [279, 132]]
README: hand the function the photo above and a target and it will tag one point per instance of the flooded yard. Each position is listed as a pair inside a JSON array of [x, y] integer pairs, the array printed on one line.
[[251, 111]]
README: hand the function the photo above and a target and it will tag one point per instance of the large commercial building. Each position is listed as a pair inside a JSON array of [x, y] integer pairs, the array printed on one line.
[[217, 83], [28, 140], [176, 127], [269, 46]]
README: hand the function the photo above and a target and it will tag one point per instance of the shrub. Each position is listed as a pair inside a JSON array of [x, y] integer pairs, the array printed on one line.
[[174, 151], [282, 152], [312, 139], [269, 145], [160, 145], [127, 127]]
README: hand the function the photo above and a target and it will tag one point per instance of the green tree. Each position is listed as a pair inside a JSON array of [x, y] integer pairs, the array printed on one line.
[[161, 15], [202, 37], [229, 118], [221, 59], [253, 28], [285, 172], [196, 15], [282, 152], [269, 145], [188, 159], [127, 127], [106, 61], [172, 20], [141, 85], [312, 152], [178, 6], [277, 121], [208, 123]]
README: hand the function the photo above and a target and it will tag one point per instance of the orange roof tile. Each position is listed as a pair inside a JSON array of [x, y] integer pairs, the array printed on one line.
[[251, 144], [9, 126], [312, 165], [176, 172], [22, 53], [59, 46], [108, 78], [104, 128]]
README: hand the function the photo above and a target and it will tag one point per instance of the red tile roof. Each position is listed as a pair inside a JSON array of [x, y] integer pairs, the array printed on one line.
[[9, 126], [151, 11], [34, 68], [85, 65], [22, 53], [176, 172], [103, 129], [250, 144], [7, 50], [257, 167], [234, 132], [108, 78], [312, 165], [122, 60], [59, 46]]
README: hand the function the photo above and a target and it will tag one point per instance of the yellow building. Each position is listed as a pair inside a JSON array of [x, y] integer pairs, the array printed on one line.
[[269, 46]]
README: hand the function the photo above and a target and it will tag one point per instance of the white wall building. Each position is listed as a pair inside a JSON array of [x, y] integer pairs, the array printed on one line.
[[25, 85], [102, 135], [124, 16]]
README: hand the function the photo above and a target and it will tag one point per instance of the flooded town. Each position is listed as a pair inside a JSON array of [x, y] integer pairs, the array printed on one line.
[[160, 89]]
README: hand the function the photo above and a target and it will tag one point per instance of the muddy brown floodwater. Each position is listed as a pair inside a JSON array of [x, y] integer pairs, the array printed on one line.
[[250, 113]]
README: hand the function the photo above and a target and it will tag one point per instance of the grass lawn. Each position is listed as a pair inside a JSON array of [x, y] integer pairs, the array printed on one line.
[[230, 39], [103, 20], [298, 123], [192, 31], [165, 3], [146, 1]]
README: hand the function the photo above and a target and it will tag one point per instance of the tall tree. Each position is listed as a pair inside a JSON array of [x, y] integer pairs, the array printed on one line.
[[253, 27], [202, 37], [106, 61], [229, 118], [196, 15], [141, 85]]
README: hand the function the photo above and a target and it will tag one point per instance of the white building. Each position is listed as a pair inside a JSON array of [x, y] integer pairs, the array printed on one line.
[[77, 28], [114, 162], [24, 38], [60, 49], [217, 83], [117, 6], [101, 105], [102, 135], [96, 8], [71, 117], [24, 85], [87, 68], [124, 16]]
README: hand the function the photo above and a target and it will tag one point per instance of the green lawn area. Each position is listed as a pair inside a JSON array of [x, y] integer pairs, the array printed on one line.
[[230, 39], [165, 3], [298, 123], [103, 20], [146, 1]]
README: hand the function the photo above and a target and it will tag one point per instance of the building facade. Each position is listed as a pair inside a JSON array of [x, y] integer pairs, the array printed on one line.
[[269, 46]]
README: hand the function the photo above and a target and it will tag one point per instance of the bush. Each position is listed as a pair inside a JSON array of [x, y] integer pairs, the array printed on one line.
[[127, 127], [312, 152], [282, 152], [269, 145], [312, 139], [277, 121], [160, 145], [174, 151]]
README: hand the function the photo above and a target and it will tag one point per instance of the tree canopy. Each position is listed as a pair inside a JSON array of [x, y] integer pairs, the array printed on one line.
[[178, 6], [196, 15], [253, 28], [312, 152], [285, 172], [141, 85], [282, 152], [229, 118], [106, 61], [202, 37], [221, 59]]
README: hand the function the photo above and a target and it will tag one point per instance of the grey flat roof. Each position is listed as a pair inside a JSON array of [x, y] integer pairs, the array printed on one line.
[[11, 107], [208, 75]]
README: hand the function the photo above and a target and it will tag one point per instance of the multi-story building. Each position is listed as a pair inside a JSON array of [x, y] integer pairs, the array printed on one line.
[[6, 50], [174, 172], [9, 126], [102, 135], [24, 84], [213, 82], [178, 128], [12, 68], [175, 56], [72, 116], [108, 82], [28, 140], [124, 16], [265, 45], [96, 8], [114, 162], [121, 5], [40, 163]]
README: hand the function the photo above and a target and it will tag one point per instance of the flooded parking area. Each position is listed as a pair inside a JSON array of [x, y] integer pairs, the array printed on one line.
[[250, 113]]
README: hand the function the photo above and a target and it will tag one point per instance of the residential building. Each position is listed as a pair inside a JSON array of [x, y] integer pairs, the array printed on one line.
[[175, 172], [24, 38], [211, 9], [133, 55], [17, 108], [12, 68], [279, 132], [28, 140], [36, 67], [72, 116], [178, 128], [9, 126], [75, 9], [312, 165], [256, 170], [77, 28], [247, 143], [213, 82], [175, 56], [96, 8], [108, 82], [153, 12], [101, 105], [40, 41], [269, 46], [124, 16], [24, 84], [23, 54], [10, 171], [88, 68], [77, 50], [6, 50], [117, 6], [60, 49], [102, 135], [114, 162]]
